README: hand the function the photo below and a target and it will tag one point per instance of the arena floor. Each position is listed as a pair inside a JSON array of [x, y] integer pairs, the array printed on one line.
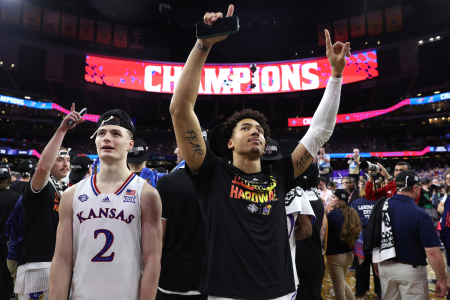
[[328, 291]]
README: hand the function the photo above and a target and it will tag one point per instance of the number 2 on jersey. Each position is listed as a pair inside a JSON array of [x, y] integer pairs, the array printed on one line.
[[108, 243]]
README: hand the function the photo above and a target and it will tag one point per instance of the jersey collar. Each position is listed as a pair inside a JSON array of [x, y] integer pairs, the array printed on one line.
[[118, 192]]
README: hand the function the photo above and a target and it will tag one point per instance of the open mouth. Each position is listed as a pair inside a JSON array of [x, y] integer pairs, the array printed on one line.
[[107, 148]]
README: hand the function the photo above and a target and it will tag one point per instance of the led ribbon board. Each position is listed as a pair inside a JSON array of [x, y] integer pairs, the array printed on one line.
[[359, 116], [225, 79]]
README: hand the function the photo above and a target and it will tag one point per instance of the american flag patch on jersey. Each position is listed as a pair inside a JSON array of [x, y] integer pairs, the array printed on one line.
[[131, 193]]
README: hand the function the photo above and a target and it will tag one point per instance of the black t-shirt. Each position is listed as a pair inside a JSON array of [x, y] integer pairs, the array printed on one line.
[[425, 199], [185, 241], [248, 254], [334, 243], [18, 187], [40, 221], [8, 200], [309, 251]]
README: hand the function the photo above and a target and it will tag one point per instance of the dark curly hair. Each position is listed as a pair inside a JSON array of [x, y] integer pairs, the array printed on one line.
[[226, 131]]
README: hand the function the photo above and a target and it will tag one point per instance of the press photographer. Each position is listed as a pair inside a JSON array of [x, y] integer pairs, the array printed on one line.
[[354, 163], [388, 190], [426, 200], [323, 161]]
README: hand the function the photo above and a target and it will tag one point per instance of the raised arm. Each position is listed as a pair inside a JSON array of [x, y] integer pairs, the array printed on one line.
[[50, 153], [187, 127], [324, 119], [151, 241], [62, 263]]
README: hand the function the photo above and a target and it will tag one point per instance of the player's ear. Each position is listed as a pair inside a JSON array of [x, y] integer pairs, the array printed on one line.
[[230, 144], [130, 145]]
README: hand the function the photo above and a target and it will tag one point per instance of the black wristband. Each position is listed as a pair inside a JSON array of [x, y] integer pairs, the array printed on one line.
[[339, 76], [390, 179]]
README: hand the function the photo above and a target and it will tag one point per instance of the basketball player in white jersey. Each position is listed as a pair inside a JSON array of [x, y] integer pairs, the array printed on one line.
[[110, 226]]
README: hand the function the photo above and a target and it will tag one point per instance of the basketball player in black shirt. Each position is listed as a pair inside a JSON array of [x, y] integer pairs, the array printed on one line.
[[40, 213], [248, 255], [184, 241]]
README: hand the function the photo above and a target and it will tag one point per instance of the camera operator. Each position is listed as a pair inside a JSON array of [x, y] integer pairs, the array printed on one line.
[[426, 201], [354, 163], [323, 161], [390, 189]]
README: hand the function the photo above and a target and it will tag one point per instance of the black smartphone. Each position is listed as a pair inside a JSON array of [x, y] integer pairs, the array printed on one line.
[[82, 113], [221, 26]]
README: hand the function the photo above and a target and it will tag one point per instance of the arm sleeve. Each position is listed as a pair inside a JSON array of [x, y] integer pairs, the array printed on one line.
[[163, 188], [324, 119], [203, 180], [427, 233]]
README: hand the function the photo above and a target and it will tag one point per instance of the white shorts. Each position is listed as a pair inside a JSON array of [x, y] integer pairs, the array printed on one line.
[[290, 296], [34, 296]]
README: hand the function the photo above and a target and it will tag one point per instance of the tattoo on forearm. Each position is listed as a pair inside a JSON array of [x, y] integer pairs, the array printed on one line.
[[191, 136], [302, 163], [202, 47]]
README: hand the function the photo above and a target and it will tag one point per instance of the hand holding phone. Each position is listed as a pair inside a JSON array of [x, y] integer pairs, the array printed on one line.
[[82, 113], [215, 28]]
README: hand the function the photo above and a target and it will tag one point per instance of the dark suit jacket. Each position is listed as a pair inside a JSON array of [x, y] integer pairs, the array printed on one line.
[[354, 196]]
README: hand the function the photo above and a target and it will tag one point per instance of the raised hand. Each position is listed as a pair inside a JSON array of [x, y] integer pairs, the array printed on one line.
[[336, 54], [209, 19], [73, 116]]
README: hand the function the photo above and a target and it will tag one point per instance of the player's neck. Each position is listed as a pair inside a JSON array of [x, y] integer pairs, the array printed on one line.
[[111, 176], [246, 164], [25, 179]]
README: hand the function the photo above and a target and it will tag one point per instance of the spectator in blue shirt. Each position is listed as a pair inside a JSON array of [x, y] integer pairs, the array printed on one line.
[[343, 231], [405, 276], [364, 209]]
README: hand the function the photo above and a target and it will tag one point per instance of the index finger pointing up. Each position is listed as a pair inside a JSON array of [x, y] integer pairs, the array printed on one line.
[[72, 108], [328, 40], [230, 10]]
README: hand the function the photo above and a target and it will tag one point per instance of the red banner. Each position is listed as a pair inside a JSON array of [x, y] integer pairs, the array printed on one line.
[[32, 16], [86, 32], [375, 20], [394, 20], [69, 26], [11, 12], [358, 26], [104, 33], [277, 77], [51, 21], [340, 30], [120, 36], [321, 32]]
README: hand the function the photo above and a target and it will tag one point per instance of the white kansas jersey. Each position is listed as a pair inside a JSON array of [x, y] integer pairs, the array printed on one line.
[[107, 241], [296, 204]]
